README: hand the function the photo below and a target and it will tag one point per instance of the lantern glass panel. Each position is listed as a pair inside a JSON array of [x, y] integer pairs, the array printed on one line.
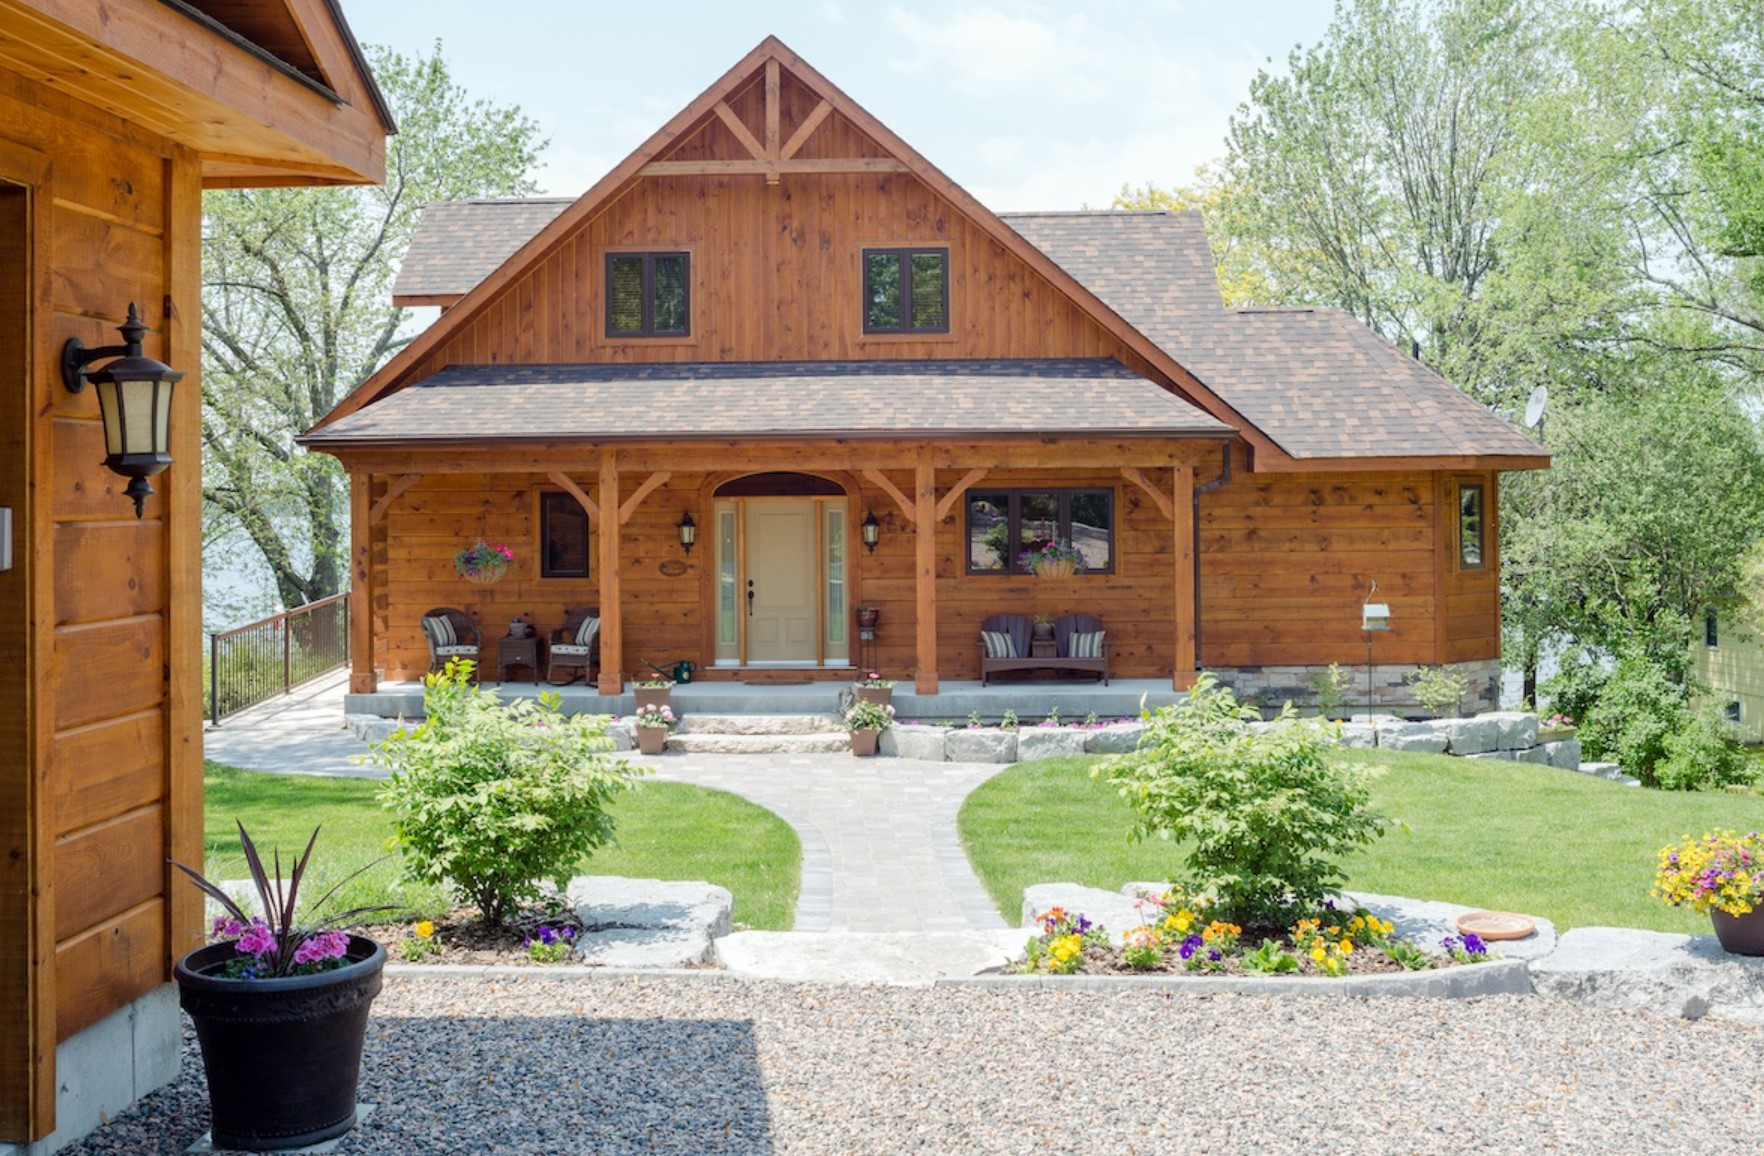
[[113, 425]]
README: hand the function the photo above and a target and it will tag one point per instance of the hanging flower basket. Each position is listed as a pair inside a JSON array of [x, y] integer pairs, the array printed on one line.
[[1057, 559], [485, 563]]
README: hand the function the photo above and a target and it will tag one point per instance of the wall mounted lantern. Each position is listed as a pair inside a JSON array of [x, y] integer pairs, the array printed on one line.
[[872, 530], [134, 399], [688, 531]]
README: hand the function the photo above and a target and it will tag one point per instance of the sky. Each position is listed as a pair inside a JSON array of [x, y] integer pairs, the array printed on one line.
[[1027, 105]]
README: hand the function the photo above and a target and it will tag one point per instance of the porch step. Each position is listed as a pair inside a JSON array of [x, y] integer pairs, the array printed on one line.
[[760, 744], [694, 723]]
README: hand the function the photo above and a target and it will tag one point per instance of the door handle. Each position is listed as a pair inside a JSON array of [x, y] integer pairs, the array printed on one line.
[[750, 597]]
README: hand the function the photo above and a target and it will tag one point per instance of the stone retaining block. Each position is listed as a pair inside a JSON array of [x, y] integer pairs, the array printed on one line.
[[980, 745], [1680, 975], [1049, 743]]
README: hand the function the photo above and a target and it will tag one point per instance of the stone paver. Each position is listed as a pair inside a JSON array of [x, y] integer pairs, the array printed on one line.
[[880, 851]]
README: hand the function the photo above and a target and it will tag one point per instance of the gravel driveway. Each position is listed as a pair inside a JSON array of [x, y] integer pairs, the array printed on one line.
[[711, 1065]]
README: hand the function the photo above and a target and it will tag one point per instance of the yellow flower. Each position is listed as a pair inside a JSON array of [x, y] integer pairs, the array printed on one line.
[[1317, 953], [424, 929], [1184, 920], [1347, 947]]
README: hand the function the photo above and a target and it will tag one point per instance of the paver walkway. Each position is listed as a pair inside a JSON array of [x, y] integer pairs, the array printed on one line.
[[879, 845]]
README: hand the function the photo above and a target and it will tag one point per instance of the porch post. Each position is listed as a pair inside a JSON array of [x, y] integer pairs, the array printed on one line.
[[925, 549], [1182, 523], [361, 583], [612, 627]]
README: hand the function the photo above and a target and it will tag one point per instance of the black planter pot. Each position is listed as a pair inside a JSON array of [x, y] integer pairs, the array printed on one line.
[[1739, 934], [283, 1056]]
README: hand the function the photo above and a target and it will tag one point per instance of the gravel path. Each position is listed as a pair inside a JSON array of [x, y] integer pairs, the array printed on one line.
[[712, 1065]]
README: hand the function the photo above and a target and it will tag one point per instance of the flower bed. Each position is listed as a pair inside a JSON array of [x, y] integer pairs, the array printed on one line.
[[1178, 938]]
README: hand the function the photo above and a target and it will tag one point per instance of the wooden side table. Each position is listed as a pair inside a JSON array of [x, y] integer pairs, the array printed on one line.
[[1043, 648], [525, 652]]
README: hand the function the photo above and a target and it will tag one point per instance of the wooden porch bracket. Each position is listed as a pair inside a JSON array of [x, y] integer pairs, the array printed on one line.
[[391, 495], [907, 508], [643, 491], [741, 131], [956, 491], [562, 482], [1132, 474], [612, 619], [1182, 499], [925, 584]]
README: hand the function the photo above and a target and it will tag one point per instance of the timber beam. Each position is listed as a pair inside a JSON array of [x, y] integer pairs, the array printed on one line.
[[908, 508]]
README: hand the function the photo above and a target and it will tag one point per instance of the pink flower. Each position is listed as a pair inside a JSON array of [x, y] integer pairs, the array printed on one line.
[[257, 940], [325, 945], [226, 927]]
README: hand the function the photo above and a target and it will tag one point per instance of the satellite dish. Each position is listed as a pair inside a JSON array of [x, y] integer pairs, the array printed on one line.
[[1534, 409]]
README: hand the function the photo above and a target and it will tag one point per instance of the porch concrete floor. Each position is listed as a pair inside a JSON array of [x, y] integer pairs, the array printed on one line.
[[879, 845], [1030, 698]]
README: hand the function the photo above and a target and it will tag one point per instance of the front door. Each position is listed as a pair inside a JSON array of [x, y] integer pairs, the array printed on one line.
[[781, 595]]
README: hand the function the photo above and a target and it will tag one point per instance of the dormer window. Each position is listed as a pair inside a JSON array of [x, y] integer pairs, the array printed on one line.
[[906, 290], [647, 294]]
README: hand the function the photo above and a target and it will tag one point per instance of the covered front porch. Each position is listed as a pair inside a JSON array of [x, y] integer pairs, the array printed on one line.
[[958, 467]]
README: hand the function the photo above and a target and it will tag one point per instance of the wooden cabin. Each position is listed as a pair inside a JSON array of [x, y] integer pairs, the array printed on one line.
[[113, 119], [777, 322]]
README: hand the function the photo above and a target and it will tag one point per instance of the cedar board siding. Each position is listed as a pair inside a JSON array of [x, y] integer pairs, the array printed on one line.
[[776, 270], [1285, 564], [101, 757]]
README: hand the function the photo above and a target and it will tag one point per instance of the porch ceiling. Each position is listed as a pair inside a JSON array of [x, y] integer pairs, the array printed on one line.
[[780, 400]]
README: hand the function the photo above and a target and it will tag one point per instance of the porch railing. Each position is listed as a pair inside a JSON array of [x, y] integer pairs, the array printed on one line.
[[253, 663]]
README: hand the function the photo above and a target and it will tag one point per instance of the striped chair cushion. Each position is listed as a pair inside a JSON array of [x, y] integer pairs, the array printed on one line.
[[998, 644], [1087, 644], [456, 651], [585, 636], [568, 650], [440, 628]]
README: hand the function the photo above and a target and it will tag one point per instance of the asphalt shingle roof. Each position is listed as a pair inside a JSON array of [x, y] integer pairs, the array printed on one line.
[[1075, 397], [1316, 381]]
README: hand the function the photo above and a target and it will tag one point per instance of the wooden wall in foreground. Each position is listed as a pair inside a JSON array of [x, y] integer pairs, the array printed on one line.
[[98, 690], [1285, 562]]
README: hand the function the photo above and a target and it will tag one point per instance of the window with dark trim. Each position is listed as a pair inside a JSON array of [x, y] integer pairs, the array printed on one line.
[[1004, 523], [648, 294], [563, 537], [1733, 712], [906, 290], [1711, 629], [1470, 527]]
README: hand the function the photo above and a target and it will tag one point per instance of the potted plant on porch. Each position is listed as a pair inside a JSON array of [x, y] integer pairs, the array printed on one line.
[[653, 724], [1052, 559], [872, 687], [280, 1011], [866, 721], [653, 692]]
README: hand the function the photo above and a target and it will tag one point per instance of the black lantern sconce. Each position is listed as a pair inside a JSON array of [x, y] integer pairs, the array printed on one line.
[[872, 530], [688, 531], [134, 399]]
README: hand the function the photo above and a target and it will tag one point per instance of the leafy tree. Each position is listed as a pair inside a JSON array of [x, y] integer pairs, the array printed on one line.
[[1654, 496], [297, 312], [1241, 272]]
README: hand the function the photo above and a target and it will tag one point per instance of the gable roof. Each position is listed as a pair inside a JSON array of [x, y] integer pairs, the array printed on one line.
[[1083, 397], [772, 54], [1315, 380]]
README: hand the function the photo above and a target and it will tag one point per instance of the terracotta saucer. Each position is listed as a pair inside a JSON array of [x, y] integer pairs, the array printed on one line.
[[1495, 925]]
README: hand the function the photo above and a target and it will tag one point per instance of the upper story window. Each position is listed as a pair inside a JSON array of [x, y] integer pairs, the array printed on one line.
[[1711, 629], [1470, 527], [906, 290], [647, 294]]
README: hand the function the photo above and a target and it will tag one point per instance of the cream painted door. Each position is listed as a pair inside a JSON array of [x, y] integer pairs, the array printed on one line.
[[782, 607]]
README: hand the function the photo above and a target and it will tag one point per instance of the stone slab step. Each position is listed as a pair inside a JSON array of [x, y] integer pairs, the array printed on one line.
[[906, 958], [726, 744], [760, 724]]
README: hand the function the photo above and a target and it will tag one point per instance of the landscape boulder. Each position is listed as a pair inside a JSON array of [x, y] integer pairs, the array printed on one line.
[[1473, 736], [980, 745], [1049, 743]]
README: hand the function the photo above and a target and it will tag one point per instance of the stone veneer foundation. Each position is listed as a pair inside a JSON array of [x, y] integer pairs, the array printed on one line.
[[1270, 686]]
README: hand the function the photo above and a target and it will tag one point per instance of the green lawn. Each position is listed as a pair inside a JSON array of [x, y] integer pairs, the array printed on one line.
[[666, 831], [1576, 850]]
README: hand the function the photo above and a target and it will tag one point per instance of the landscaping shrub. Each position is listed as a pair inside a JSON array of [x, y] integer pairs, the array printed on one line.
[[1576, 688], [1266, 813], [493, 799], [1438, 690], [1703, 755]]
